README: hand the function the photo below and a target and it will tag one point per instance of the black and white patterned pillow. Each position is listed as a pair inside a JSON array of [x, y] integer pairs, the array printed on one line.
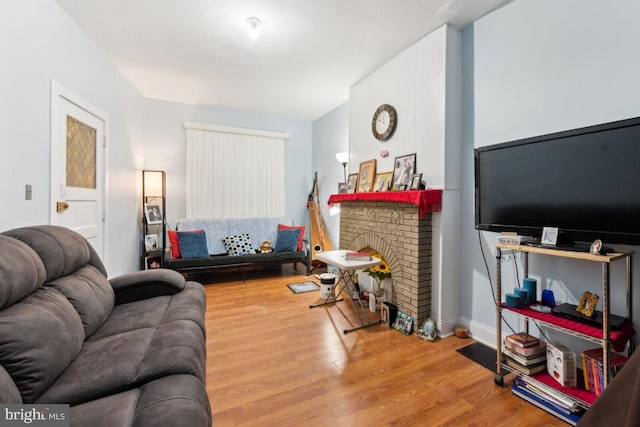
[[238, 244]]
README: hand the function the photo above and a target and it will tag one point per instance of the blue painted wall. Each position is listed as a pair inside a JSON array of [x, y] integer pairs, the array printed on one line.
[[531, 68]]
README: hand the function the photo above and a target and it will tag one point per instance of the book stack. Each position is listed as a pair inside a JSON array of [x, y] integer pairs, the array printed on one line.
[[593, 371], [357, 256], [525, 353], [549, 400]]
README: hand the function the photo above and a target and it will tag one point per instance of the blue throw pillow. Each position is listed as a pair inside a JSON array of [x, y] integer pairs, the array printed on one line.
[[193, 244], [287, 240]]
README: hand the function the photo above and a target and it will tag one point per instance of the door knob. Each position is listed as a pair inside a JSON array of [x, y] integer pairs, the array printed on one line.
[[61, 206]]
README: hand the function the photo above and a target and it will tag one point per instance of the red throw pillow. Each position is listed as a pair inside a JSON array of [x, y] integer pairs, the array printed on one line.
[[175, 244], [302, 229]]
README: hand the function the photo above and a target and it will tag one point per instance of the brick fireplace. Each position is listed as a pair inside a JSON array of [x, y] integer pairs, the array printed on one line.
[[403, 236]]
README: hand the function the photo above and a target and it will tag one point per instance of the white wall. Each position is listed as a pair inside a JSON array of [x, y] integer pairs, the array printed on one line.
[[164, 148], [531, 68], [422, 83], [38, 42], [330, 136]]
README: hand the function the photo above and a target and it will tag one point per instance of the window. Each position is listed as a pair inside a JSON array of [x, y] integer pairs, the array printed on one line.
[[234, 173]]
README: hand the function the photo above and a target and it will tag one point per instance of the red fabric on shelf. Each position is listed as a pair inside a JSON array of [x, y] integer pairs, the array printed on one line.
[[578, 393], [426, 200], [618, 338]]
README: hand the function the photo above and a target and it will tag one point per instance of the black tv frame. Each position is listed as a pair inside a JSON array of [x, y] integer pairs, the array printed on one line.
[[599, 134]]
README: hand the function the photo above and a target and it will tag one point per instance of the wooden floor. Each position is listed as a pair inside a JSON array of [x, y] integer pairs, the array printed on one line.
[[273, 361]]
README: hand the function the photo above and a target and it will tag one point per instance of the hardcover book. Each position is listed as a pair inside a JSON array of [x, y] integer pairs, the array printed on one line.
[[523, 339], [593, 370], [357, 256], [535, 350], [527, 370], [525, 361]]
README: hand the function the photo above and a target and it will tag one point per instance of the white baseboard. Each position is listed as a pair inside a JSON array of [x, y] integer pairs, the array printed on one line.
[[446, 327], [480, 332]]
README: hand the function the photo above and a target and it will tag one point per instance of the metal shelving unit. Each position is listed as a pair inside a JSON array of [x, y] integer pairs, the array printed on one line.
[[153, 193], [603, 340]]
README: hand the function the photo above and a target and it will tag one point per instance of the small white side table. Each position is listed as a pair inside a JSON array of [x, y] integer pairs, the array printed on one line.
[[346, 271]]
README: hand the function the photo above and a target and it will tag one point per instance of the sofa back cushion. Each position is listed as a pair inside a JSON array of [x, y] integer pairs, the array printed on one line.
[[21, 271], [72, 267], [62, 250], [39, 337], [90, 294], [216, 229]]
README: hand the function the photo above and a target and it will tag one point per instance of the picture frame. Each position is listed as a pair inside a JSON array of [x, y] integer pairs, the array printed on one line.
[[403, 169], [152, 262], [150, 242], [153, 213], [383, 181], [366, 176], [416, 181], [428, 330], [352, 183], [384, 314], [587, 305], [342, 187], [403, 323], [549, 236]]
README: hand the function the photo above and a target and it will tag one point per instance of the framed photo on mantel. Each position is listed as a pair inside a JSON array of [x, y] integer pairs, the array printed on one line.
[[383, 181], [403, 169], [352, 183], [366, 175]]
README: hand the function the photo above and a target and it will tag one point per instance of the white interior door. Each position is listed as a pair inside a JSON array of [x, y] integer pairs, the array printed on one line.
[[78, 145]]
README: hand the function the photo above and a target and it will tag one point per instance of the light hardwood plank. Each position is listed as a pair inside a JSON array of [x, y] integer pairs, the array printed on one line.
[[272, 361]]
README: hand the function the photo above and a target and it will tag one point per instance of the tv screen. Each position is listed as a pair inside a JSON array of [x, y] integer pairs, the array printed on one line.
[[584, 181]]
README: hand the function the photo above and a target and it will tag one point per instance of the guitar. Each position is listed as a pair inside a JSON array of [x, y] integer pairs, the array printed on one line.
[[319, 238]]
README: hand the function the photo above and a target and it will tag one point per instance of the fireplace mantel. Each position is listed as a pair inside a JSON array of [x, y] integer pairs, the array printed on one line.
[[426, 200]]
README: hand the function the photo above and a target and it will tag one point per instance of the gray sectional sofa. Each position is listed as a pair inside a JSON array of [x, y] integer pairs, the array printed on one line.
[[121, 352]]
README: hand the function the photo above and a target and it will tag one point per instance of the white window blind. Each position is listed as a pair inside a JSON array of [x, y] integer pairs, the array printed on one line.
[[234, 173]]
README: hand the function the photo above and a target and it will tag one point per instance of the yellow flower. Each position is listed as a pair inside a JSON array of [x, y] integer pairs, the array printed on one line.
[[380, 271]]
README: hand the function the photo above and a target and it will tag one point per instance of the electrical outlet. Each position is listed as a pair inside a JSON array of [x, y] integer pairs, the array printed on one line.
[[27, 192]]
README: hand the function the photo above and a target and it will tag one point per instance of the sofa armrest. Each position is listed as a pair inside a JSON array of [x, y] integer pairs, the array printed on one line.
[[146, 284]]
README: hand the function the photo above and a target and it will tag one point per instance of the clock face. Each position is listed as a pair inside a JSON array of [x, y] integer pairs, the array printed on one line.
[[384, 122]]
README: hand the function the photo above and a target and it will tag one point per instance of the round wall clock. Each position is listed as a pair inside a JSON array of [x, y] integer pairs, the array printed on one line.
[[384, 122]]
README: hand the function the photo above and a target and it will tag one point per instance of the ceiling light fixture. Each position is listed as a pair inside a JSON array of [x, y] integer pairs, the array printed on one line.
[[254, 33]]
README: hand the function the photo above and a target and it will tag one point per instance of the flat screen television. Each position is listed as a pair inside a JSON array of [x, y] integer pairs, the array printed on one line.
[[585, 182]]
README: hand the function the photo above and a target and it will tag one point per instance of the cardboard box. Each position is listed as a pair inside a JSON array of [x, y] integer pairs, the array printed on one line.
[[561, 364]]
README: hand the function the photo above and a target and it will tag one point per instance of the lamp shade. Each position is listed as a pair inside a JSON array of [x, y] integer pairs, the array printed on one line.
[[153, 183], [342, 157]]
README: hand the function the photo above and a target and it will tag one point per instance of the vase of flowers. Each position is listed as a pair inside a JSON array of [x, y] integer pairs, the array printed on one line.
[[379, 273]]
